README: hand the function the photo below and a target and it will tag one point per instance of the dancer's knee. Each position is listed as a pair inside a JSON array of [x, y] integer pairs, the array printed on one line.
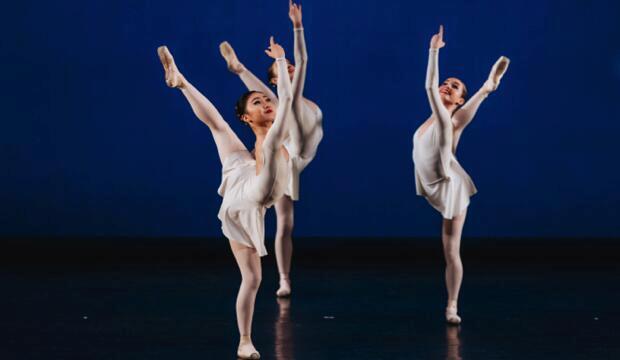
[[452, 256], [251, 281], [285, 224]]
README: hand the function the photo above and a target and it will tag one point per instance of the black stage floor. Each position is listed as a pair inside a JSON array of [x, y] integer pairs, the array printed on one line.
[[157, 308]]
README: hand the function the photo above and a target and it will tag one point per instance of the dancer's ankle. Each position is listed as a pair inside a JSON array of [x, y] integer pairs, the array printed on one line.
[[245, 339]]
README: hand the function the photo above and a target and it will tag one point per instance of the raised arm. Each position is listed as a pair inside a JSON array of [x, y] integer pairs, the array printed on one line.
[[467, 112], [250, 80], [300, 52], [444, 123], [432, 82], [278, 132]]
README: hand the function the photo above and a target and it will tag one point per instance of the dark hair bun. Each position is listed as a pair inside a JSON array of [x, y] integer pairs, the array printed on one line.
[[242, 104]]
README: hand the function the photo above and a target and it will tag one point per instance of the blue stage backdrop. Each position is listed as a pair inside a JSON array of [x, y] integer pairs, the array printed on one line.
[[94, 143]]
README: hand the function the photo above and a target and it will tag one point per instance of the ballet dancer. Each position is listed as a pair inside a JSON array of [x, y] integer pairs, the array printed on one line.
[[305, 133], [438, 175], [250, 183]]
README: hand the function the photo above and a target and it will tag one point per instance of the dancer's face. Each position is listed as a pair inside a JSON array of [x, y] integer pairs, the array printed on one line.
[[259, 110], [452, 91], [273, 71]]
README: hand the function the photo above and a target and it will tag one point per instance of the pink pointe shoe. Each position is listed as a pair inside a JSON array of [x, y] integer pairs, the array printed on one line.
[[497, 72], [452, 316], [174, 78]]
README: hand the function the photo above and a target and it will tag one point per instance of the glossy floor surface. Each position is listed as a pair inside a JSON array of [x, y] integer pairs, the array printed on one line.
[[363, 311]]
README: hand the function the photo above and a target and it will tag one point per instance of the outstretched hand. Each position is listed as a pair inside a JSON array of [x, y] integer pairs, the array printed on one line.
[[437, 39], [274, 50], [294, 13]]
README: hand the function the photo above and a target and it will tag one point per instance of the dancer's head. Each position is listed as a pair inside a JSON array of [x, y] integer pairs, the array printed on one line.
[[453, 93], [255, 109], [272, 73]]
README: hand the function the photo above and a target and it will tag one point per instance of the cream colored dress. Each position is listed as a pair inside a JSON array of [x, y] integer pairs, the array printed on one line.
[[449, 194], [438, 175], [245, 193], [243, 217]]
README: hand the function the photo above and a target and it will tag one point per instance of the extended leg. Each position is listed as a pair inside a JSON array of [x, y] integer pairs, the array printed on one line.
[[226, 140]]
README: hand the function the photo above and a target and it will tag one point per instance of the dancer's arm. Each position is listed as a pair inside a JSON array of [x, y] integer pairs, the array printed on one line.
[[295, 132], [300, 53], [444, 123], [432, 84], [277, 132]]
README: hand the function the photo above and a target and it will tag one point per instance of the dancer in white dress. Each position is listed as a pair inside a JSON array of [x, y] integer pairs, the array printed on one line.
[[249, 184], [304, 135], [438, 175]]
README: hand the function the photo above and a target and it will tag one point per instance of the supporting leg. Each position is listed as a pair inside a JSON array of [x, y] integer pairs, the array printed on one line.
[[284, 243], [451, 238], [251, 275]]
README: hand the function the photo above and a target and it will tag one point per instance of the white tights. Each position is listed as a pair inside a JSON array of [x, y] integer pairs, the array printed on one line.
[[451, 231]]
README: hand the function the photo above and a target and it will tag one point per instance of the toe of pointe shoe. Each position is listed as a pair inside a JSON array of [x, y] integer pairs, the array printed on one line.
[[164, 54], [251, 356], [452, 316], [499, 69], [225, 49], [455, 320]]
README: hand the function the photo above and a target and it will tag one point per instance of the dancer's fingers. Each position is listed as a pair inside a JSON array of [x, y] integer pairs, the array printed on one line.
[[441, 31]]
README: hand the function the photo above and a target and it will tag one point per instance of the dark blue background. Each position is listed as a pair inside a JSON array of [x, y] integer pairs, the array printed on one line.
[[94, 143]]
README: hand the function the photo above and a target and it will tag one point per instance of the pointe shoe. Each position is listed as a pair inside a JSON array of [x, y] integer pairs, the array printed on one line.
[[452, 317], [174, 78], [247, 352], [232, 62], [285, 288], [497, 72]]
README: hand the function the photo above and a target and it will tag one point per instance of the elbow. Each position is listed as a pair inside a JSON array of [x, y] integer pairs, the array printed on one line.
[[286, 97], [301, 60]]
